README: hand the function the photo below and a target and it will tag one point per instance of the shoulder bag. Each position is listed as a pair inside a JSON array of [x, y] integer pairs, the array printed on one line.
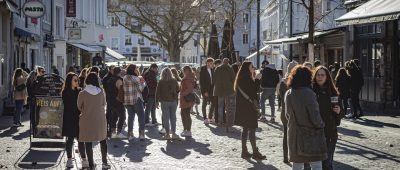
[[256, 105], [310, 141]]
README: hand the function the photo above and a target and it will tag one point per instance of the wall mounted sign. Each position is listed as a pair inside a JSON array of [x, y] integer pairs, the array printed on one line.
[[74, 34], [34, 9]]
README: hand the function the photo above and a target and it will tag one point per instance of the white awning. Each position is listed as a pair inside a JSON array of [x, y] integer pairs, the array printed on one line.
[[372, 11], [114, 54], [298, 38], [84, 47]]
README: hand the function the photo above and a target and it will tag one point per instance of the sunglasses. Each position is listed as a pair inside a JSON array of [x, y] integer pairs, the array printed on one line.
[[75, 80]]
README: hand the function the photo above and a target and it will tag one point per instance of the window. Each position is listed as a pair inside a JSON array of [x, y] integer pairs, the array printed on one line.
[[140, 40], [59, 22], [114, 21], [152, 42], [328, 5], [265, 35], [128, 40], [245, 39], [115, 43], [245, 18]]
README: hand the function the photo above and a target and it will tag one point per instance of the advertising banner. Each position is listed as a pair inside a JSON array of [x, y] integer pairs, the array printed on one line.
[[48, 118]]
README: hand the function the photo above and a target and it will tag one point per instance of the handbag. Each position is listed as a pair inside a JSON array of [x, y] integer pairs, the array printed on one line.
[[20, 87], [256, 105], [308, 140]]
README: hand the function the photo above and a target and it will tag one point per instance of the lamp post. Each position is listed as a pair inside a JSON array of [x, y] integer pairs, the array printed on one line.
[[258, 33], [204, 44]]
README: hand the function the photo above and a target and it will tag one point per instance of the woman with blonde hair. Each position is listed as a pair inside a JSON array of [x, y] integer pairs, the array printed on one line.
[[167, 94], [20, 94]]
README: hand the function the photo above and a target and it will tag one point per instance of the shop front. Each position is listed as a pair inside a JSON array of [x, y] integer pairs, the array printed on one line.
[[376, 44]]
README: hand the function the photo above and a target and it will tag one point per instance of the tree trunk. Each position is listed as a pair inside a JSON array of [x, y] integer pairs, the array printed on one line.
[[174, 52]]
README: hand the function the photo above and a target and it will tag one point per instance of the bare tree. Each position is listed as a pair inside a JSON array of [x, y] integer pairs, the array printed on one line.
[[174, 22]]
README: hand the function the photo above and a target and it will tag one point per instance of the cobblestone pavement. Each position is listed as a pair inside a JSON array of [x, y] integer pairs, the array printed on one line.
[[367, 143]]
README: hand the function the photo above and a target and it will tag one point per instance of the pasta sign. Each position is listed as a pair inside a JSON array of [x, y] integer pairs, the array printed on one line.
[[34, 9]]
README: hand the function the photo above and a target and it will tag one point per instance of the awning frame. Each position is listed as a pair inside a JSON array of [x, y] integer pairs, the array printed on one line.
[[85, 47]]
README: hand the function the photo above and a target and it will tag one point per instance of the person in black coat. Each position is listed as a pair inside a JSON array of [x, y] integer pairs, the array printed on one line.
[[71, 114], [343, 86], [356, 84], [330, 112], [206, 88], [246, 87]]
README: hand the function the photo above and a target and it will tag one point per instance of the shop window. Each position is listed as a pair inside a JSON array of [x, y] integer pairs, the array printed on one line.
[[115, 43]]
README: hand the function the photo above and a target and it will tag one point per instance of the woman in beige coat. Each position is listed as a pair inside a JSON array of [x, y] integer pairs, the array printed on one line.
[[20, 94], [92, 121]]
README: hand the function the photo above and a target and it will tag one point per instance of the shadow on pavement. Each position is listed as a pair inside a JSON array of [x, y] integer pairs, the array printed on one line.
[[135, 150], [180, 149], [261, 165], [350, 132], [221, 131], [374, 123], [40, 159], [342, 166], [348, 147]]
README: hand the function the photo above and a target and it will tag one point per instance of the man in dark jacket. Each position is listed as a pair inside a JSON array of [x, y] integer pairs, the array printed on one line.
[[151, 80], [206, 87], [114, 85], [108, 112], [224, 80], [356, 84], [269, 81]]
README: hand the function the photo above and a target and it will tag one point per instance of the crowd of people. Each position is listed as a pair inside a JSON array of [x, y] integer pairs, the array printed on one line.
[[312, 100]]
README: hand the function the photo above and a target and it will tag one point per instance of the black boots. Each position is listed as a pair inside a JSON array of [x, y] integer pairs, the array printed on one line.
[[257, 155], [246, 154]]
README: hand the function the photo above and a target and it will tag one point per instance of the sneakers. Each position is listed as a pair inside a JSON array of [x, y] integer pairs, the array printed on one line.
[[186, 134], [175, 136], [130, 136], [166, 137], [149, 125], [105, 166], [121, 136], [85, 163], [70, 163], [206, 121], [162, 131], [141, 136]]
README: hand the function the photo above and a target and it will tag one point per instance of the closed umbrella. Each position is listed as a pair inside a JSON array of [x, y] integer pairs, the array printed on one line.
[[213, 44], [227, 47]]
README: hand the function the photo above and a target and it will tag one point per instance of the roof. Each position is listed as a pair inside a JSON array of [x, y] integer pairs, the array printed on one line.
[[372, 11]]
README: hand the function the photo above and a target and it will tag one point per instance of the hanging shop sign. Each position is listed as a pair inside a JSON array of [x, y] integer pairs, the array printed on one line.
[[34, 9], [74, 34]]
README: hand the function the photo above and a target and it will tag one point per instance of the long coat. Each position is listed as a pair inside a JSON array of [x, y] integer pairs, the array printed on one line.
[[224, 79], [246, 115], [23, 94], [71, 113], [301, 103], [187, 86], [330, 118], [92, 121]]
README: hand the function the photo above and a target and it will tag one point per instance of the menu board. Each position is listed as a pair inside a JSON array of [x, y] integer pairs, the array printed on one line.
[[48, 118], [48, 85]]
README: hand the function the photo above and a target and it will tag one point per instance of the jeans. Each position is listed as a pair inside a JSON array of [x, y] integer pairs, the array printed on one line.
[[204, 107], [138, 109], [169, 115], [150, 107], [268, 93], [89, 152], [70, 143], [344, 102], [18, 109], [328, 163], [186, 119], [229, 102], [314, 166]]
